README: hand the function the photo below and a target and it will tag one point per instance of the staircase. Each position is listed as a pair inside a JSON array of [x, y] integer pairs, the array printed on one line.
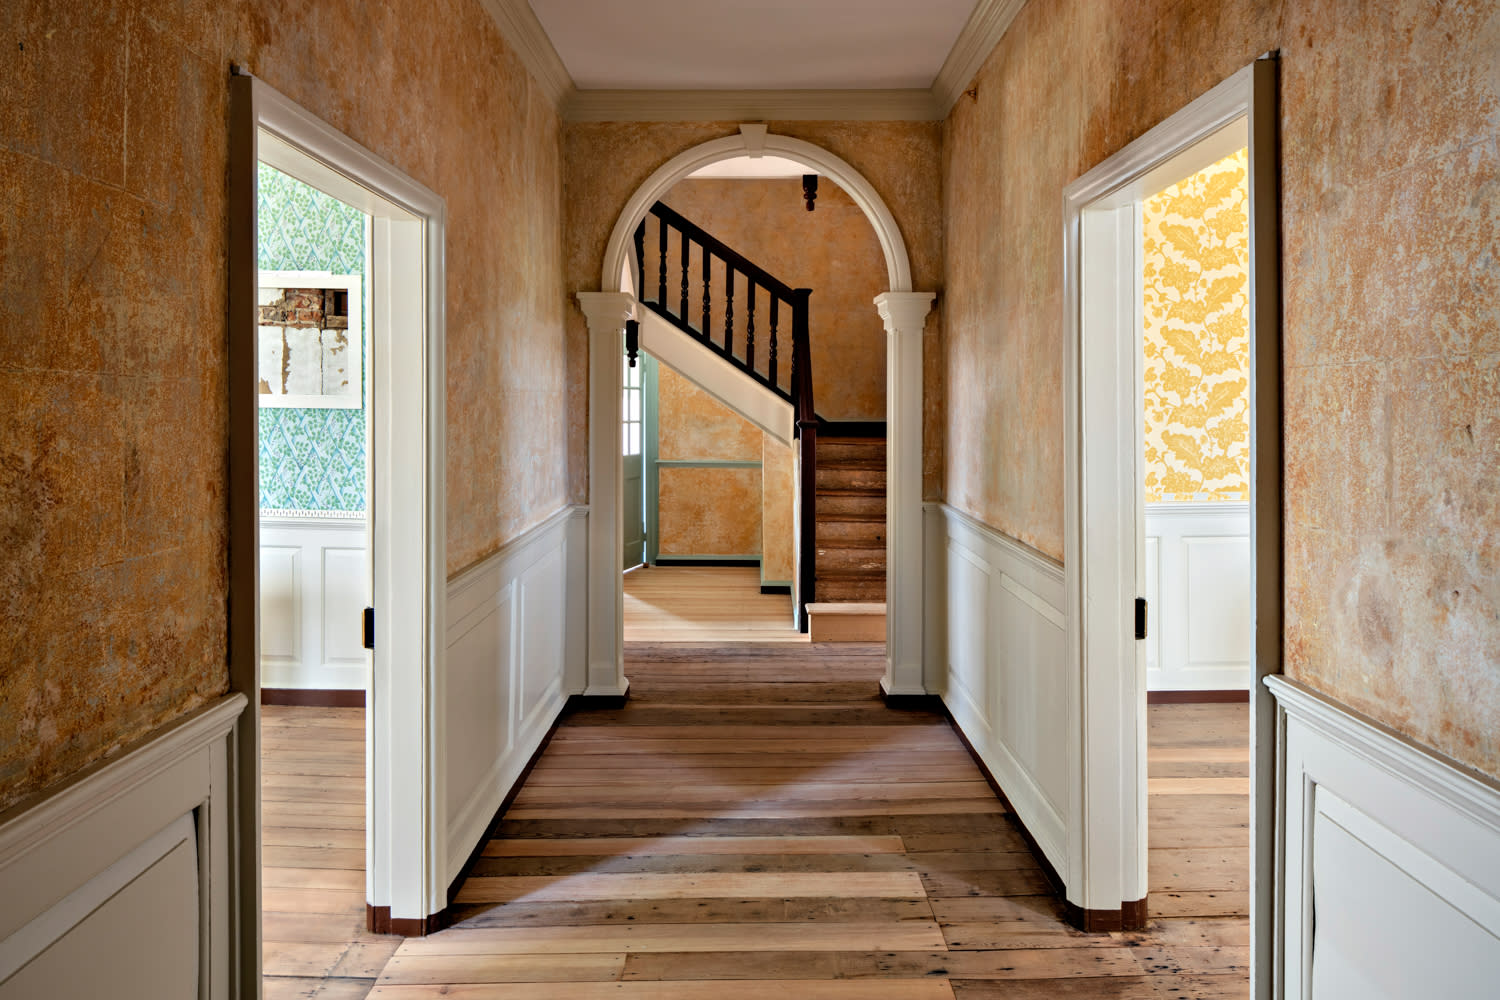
[[740, 312], [850, 518]]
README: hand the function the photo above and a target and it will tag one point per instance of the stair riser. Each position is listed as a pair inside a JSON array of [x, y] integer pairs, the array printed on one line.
[[851, 590], [869, 505], [837, 560], [836, 452], [869, 533], [872, 480]]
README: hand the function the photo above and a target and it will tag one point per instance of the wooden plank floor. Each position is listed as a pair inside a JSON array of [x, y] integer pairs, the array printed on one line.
[[313, 856], [705, 604], [756, 823]]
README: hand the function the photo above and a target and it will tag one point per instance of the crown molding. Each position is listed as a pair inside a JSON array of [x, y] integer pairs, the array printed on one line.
[[749, 105], [518, 23], [983, 31]]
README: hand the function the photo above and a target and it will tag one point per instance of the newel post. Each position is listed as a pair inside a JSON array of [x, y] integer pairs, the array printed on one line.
[[905, 316], [606, 313]]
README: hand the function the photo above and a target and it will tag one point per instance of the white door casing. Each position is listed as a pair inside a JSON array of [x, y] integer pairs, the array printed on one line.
[[405, 829], [1103, 496], [904, 314]]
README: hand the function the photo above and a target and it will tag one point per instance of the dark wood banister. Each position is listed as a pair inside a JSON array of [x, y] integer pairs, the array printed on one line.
[[800, 391]]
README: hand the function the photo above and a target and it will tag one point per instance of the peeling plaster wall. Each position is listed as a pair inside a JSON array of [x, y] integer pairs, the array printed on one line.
[[606, 162], [1390, 120], [113, 158], [833, 250]]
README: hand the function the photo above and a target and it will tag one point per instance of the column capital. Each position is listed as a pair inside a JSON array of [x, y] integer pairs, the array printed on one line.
[[606, 311], [904, 311]]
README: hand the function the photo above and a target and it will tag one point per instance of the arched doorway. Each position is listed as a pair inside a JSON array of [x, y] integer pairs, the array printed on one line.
[[903, 313]]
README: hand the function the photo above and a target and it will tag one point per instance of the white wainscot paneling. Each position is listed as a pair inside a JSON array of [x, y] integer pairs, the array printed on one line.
[[1198, 586], [508, 650], [117, 885], [1391, 882], [314, 587], [1006, 684]]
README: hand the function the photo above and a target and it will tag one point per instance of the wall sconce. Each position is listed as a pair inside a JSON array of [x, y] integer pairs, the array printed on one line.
[[810, 189], [632, 340]]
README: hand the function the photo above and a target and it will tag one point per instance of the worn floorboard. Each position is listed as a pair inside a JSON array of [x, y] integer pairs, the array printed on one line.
[[755, 823]]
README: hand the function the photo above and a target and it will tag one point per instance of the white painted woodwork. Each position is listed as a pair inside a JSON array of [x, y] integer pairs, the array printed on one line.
[[903, 313], [905, 316], [314, 587], [1104, 534], [1197, 569], [118, 883], [507, 656], [688, 356], [406, 828], [1393, 849], [1002, 668], [606, 313]]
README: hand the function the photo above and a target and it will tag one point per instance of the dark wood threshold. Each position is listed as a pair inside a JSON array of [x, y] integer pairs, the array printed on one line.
[[1131, 916], [313, 697], [1230, 697]]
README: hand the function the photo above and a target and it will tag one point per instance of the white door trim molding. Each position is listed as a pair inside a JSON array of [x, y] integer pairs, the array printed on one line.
[[902, 310], [405, 831], [1107, 843]]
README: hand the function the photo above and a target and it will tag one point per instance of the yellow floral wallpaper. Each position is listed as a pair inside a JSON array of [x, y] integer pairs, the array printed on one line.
[[1195, 299]]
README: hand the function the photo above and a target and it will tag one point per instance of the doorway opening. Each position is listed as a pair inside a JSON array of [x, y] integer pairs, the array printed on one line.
[[350, 438], [1173, 519]]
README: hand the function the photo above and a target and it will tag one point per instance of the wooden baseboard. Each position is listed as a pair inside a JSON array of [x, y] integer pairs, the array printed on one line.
[[776, 588], [313, 697], [378, 920], [917, 703], [1231, 697]]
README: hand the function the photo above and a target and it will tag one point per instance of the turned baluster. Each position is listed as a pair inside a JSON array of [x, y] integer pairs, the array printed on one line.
[[707, 308], [750, 323], [771, 353], [728, 309], [661, 271], [682, 306]]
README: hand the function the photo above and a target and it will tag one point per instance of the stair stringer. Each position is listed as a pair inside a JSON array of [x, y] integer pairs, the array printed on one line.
[[708, 371]]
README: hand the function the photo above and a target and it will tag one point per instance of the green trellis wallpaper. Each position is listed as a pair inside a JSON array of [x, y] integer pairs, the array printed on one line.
[[311, 459]]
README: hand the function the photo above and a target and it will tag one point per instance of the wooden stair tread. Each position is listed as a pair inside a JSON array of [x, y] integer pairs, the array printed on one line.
[[846, 608]]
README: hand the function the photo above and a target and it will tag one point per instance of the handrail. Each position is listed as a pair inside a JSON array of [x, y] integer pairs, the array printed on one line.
[[799, 391]]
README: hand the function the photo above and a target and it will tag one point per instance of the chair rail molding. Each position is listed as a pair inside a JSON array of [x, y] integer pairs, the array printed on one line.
[[1394, 847]]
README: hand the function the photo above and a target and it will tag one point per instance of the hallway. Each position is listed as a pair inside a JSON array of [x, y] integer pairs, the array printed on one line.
[[755, 823]]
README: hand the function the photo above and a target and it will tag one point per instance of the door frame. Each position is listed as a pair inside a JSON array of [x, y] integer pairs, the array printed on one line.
[[1107, 861], [404, 757], [904, 313]]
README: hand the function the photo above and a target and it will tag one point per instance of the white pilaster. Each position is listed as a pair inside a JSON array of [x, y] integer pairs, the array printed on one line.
[[606, 313], [905, 315]]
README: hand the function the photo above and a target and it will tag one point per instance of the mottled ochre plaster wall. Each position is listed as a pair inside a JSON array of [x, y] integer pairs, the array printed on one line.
[[833, 250], [705, 511], [694, 425], [1390, 122], [606, 162], [113, 159]]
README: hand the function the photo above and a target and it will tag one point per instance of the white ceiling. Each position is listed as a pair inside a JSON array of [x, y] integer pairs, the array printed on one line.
[[758, 45], [753, 168]]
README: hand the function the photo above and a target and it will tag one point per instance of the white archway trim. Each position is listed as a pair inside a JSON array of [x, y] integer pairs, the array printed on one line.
[[904, 313], [755, 141]]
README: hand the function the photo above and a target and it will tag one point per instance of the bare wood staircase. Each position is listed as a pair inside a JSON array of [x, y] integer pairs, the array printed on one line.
[[700, 285]]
